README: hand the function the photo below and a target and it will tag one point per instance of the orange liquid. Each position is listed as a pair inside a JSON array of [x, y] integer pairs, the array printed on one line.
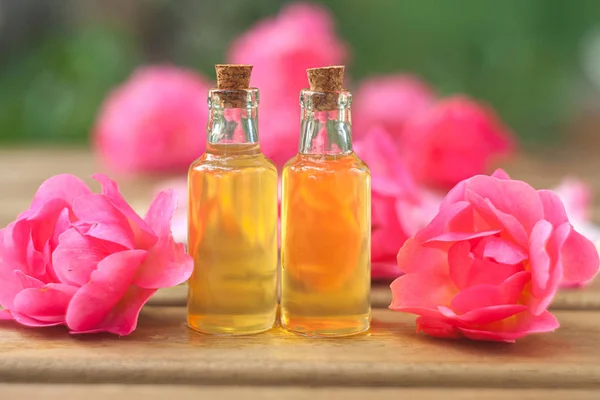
[[326, 245], [233, 240]]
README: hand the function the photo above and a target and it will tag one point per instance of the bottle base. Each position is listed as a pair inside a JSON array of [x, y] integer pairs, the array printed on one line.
[[325, 327], [231, 325]]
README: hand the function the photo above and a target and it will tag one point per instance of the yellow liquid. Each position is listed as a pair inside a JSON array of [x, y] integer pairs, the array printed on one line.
[[325, 253], [233, 240]]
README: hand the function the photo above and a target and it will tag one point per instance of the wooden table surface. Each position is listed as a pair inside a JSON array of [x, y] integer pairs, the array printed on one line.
[[163, 358]]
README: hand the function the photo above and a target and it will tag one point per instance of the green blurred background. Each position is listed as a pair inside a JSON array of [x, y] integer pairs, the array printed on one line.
[[535, 61]]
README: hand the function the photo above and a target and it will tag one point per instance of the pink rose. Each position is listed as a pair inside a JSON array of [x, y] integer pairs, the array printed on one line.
[[281, 49], [389, 101], [454, 140], [490, 262], [86, 260], [156, 121], [399, 206]]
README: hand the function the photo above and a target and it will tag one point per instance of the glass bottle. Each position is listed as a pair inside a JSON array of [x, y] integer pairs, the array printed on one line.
[[233, 221], [326, 227]]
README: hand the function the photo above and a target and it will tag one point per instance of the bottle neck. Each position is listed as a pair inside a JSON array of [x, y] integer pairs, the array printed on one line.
[[325, 131], [232, 121]]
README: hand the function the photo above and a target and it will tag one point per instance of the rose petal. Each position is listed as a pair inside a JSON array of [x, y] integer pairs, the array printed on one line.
[[11, 283], [497, 219], [159, 215], [437, 328], [502, 194], [540, 300], [108, 285], [484, 315], [144, 237], [554, 210], [26, 281], [478, 296], [35, 260], [429, 286], [414, 257], [78, 255], [32, 322], [64, 187], [513, 286], [46, 304], [16, 236], [461, 236], [63, 223], [503, 251], [455, 195], [421, 290], [500, 174], [467, 271], [539, 258], [42, 222], [511, 329], [455, 218], [483, 296], [167, 263], [108, 222], [579, 259], [123, 318]]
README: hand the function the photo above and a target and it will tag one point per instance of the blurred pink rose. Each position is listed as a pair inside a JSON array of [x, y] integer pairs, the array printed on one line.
[[454, 140], [399, 207], [156, 121], [281, 49], [490, 262], [86, 260], [389, 101], [577, 197]]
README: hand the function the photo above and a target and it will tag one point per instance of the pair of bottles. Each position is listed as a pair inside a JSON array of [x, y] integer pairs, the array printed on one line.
[[325, 218]]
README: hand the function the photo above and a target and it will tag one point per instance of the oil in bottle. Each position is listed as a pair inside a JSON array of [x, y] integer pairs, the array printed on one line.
[[233, 216], [326, 227]]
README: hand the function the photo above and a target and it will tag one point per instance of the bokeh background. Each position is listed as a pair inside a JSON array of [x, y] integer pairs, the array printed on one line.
[[537, 62]]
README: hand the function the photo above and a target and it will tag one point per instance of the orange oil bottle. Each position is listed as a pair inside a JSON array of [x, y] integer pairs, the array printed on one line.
[[326, 206], [233, 217]]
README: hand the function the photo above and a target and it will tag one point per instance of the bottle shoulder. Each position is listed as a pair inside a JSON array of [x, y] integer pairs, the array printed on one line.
[[361, 165], [291, 163], [349, 162], [212, 163]]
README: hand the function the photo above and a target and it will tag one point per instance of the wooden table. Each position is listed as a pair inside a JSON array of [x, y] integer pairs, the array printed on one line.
[[163, 358]]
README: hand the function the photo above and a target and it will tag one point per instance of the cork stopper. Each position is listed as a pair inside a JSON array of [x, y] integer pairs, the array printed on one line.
[[233, 76], [326, 83], [233, 86], [326, 79]]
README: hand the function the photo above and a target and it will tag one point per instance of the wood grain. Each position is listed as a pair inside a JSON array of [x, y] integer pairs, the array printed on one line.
[[188, 392], [164, 350]]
